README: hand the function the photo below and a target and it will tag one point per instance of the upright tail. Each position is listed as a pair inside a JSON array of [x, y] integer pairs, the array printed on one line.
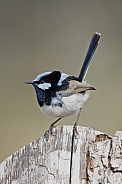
[[89, 55]]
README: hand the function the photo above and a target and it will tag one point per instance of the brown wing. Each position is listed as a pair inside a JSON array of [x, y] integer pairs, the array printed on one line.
[[76, 87]]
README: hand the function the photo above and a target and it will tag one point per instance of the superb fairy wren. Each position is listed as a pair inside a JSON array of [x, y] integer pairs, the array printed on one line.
[[59, 94]]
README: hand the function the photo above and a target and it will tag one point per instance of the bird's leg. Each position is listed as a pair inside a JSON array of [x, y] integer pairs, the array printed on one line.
[[55, 122], [75, 124], [52, 125]]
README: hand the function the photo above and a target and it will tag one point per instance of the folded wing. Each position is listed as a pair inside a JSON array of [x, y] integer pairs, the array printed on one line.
[[76, 87]]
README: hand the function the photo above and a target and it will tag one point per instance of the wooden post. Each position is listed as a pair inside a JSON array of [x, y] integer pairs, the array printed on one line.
[[62, 157]]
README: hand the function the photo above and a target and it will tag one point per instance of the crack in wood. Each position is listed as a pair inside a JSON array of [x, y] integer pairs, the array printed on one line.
[[87, 164], [71, 158], [72, 145], [47, 170], [109, 160]]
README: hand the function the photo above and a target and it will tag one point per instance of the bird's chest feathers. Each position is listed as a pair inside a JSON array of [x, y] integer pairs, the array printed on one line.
[[64, 106]]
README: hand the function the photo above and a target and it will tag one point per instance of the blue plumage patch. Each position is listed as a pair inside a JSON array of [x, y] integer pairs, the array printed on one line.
[[40, 76], [62, 78], [44, 86]]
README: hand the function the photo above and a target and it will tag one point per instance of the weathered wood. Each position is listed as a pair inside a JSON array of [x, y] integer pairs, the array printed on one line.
[[96, 159]]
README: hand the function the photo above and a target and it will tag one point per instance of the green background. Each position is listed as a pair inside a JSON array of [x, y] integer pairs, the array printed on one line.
[[38, 36]]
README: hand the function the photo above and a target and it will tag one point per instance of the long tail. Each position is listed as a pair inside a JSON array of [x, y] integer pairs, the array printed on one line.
[[89, 55]]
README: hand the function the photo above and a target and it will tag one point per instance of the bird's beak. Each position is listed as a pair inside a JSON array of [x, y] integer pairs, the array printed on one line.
[[29, 82]]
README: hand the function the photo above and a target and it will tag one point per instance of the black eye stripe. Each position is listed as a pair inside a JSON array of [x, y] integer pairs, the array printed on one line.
[[52, 79], [39, 82], [36, 82]]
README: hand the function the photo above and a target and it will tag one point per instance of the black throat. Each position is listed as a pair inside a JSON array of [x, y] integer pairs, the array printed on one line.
[[44, 96]]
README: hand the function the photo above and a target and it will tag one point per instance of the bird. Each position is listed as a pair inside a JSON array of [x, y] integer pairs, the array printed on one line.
[[59, 94]]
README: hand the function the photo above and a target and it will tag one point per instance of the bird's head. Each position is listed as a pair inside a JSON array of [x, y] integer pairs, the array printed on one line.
[[48, 80]]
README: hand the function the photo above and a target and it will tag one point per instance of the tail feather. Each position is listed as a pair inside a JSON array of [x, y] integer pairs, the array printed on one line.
[[89, 55]]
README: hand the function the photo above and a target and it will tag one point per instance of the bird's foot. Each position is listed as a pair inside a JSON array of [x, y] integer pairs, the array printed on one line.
[[50, 131], [52, 127]]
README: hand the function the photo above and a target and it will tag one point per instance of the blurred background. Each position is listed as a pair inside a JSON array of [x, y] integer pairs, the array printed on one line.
[[38, 36]]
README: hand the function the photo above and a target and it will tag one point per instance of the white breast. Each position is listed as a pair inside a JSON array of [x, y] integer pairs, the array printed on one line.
[[70, 105]]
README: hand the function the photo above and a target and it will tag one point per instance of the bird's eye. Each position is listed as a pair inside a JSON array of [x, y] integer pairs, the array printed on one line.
[[39, 82], [42, 81]]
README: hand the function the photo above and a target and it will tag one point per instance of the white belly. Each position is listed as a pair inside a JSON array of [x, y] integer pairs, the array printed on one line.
[[70, 105]]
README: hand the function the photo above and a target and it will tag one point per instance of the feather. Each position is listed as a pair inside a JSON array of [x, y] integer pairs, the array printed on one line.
[[89, 55], [76, 87]]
